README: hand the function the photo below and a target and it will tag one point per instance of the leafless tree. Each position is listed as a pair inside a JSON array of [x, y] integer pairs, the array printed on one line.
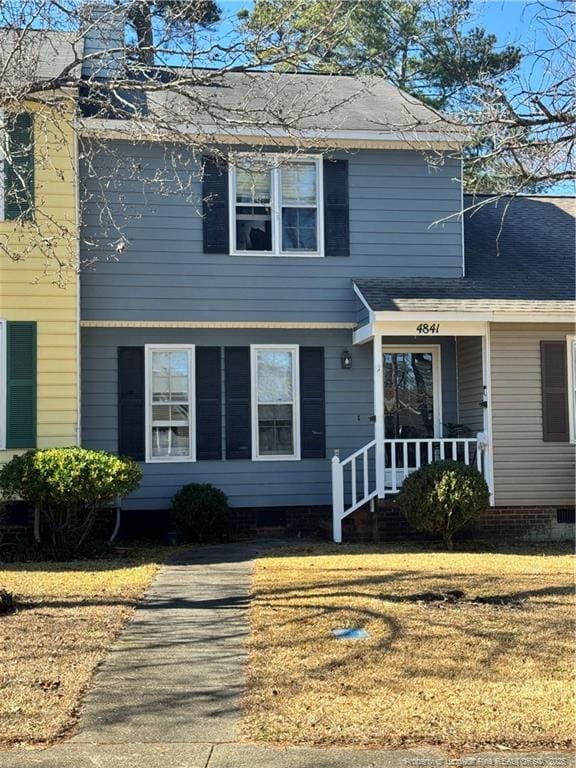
[[524, 129], [175, 71], [161, 71]]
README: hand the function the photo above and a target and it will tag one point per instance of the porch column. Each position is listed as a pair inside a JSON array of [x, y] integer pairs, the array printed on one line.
[[379, 413], [487, 379]]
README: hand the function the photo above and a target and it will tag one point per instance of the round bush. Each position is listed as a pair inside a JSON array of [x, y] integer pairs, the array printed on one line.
[[201, 512], [443, 497], [68, 487]]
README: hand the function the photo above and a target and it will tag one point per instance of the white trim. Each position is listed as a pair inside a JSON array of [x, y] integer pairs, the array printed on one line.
[[488, 448], [3, 367], [276, 206], [212, 324], [295, 350], [191, 349], [488, 316], [379, 414], [571, 363], [436, 351], [363, 334], [399, 139], [462, 244]]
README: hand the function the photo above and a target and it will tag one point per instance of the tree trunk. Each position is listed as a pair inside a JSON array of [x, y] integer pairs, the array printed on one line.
[[141, 18]]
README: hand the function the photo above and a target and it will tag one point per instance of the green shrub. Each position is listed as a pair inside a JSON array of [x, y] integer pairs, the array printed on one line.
[[443, 497], [68, 487], [201, 513]]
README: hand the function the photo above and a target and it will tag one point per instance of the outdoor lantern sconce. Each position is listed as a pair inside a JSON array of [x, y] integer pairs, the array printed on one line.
[[346, 360]]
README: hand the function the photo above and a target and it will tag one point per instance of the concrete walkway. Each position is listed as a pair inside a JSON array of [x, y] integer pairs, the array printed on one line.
[[168, 693]]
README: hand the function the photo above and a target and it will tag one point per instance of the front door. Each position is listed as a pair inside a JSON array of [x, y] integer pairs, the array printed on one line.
[[411, 392]]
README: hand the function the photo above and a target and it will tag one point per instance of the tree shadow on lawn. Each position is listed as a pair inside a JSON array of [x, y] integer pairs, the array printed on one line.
[[492, 625]]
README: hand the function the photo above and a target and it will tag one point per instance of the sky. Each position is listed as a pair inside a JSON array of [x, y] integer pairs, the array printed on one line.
[[510, 20]]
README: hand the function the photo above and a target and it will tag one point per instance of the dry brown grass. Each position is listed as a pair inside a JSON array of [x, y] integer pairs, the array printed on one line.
[[460, 676], [69, 614]]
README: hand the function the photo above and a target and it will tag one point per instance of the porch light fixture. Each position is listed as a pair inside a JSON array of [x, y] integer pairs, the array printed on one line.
[[346, 360]]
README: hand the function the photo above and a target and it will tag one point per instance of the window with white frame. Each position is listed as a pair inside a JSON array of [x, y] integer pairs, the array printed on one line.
[[170, 403], [275, 402], [277, 205]]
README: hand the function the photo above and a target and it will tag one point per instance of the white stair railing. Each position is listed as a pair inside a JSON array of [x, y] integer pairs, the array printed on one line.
[[355, 478], [345, 478], [402, 457]]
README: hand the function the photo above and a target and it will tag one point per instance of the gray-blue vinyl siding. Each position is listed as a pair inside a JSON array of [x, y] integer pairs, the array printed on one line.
[[349, 406], [399, 206]]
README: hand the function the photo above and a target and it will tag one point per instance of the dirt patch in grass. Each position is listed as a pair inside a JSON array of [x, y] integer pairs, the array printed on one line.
[[64, 619], [465, 650]]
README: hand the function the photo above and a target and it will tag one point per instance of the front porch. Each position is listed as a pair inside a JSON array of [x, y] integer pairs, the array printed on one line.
[[432, 401]]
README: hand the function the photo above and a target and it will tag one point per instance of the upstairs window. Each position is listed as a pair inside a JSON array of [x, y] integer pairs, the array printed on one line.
[[277, 204]]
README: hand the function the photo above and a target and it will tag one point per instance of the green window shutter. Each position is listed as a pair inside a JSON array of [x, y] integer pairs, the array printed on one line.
[[20, 385], [19, 167]]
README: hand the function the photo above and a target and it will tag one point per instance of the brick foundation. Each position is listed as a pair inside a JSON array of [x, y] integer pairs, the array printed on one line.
[[284, 521], [523, 523]]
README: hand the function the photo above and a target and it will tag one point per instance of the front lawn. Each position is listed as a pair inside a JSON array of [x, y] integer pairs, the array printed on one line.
[[437, 668], [67, 616]]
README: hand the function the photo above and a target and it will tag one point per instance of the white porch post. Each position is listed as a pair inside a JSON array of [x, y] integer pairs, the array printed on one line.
[[487, 377], [337, 498], [379, 413]]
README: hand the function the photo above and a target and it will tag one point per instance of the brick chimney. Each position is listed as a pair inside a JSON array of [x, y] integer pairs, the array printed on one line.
[[103, 26]]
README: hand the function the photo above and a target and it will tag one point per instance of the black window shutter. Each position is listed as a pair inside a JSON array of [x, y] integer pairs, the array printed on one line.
[[336, 208], [555, 427], [208, 404], [131, 403], [19, 167], [312, 403], [238, 403], [20, 385], [215, 205]]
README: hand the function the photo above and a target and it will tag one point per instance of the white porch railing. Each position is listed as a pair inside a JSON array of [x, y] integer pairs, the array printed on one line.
[[358, 478]]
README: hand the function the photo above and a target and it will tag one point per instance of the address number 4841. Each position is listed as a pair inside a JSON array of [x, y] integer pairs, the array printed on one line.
[[427, 328]]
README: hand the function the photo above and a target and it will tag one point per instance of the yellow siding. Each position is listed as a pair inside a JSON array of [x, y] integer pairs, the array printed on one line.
[[527, 471], [40, 284]]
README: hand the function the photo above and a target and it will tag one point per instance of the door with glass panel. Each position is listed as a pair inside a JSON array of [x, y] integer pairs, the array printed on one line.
[[411, 402]]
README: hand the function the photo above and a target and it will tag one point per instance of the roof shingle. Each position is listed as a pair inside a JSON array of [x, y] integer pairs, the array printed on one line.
[[528, 267]]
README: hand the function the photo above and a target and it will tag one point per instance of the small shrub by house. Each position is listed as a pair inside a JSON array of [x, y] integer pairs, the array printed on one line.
[[201, 513], [443, 497], [68, 487]]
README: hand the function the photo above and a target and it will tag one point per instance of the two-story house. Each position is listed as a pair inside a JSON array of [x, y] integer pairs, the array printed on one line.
[[39, 339], [302, 316], [305, 317]]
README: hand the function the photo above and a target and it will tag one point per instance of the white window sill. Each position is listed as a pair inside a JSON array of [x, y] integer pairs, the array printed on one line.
[[270, 254], [171, 460], [276, 458]]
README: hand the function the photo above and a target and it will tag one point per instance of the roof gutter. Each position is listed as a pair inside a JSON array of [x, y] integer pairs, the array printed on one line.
[[141, 130]]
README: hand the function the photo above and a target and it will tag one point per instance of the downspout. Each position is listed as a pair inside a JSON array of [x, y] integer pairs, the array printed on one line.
[[78, 316], [487, 376]]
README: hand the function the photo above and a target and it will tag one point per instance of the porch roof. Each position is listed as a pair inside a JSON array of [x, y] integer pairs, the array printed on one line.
[[529, 268]]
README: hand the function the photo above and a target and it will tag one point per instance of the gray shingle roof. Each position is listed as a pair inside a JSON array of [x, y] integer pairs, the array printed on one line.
[[36, 55], [530, 268], [313, 102], [242, 99]]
